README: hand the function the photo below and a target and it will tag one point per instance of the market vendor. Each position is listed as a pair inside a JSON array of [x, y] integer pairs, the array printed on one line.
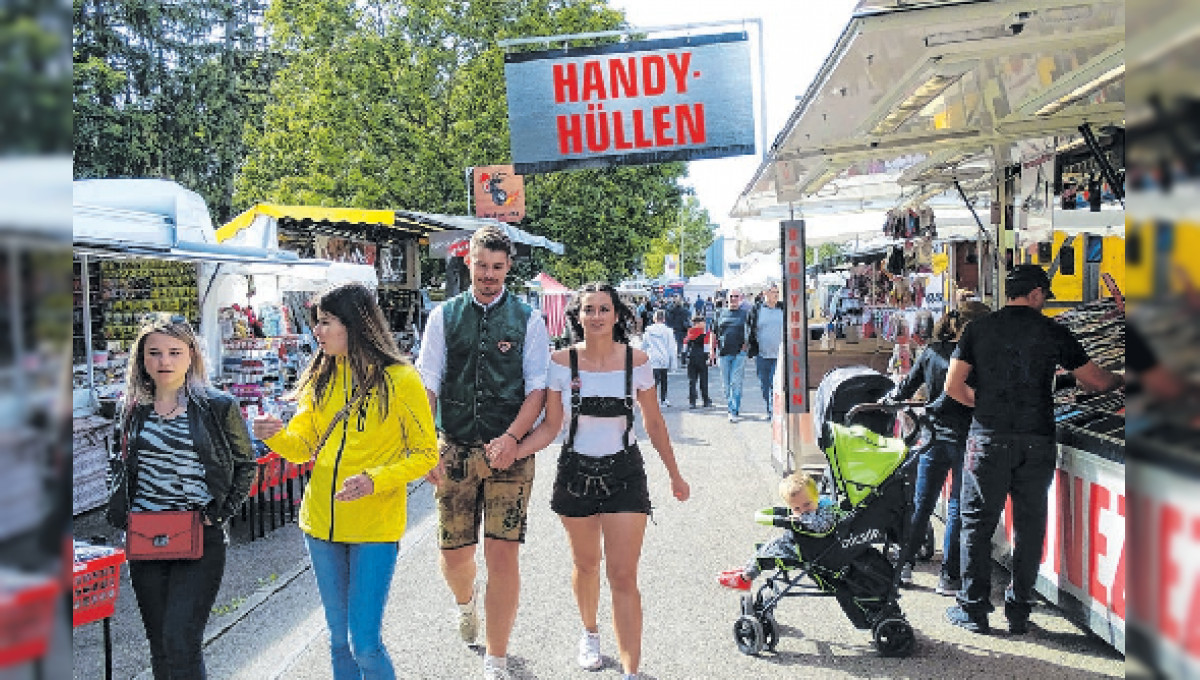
[[1011, 448]]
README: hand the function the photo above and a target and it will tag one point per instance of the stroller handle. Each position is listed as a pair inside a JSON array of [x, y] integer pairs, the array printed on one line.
[[908, 408]]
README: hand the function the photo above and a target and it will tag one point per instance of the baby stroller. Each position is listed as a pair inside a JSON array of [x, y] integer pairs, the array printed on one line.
[[869, 475]]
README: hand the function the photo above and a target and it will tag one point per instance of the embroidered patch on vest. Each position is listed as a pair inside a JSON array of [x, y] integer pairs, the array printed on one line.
[[504, 346]]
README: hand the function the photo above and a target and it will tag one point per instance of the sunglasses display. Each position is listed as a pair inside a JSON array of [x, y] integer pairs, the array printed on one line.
[[127, 294]]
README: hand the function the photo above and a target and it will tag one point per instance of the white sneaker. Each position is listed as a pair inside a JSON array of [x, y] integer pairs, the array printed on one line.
[[589, 652], [733, 418], [906, 575], [468, 619], [495, 668], [666, 402]]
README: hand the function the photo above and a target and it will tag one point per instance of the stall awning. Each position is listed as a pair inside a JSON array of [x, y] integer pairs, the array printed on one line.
[[156, 218], [462, 227], [370, 224], [914, 97], [360, 222]]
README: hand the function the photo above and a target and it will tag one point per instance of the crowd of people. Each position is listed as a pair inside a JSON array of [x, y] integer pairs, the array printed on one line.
[[487, 394]]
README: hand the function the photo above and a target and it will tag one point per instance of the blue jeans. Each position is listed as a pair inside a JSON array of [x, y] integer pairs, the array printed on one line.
[[995, 467], [940, 458], [353, 579], [766, 378], [733, 370]]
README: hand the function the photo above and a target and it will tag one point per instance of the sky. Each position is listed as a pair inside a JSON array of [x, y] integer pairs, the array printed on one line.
[[798, 35]]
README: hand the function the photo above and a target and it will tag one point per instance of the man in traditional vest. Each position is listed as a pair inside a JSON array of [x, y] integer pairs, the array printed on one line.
[[483, 361]]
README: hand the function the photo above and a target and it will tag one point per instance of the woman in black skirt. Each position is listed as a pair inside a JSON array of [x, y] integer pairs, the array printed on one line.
[[600, 490]]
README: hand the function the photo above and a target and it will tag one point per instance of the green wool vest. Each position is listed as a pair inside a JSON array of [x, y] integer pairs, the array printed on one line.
[[484, 384]]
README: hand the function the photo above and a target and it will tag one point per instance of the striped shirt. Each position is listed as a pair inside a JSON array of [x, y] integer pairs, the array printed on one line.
[[170, 475]]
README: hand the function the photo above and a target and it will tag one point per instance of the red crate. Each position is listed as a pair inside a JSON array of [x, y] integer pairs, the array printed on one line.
[[94, 595], [26, 621]]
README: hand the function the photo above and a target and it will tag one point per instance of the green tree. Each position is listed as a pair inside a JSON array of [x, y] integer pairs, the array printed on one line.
[[163, 90], [824, 253], [697, 236], [386, 103]]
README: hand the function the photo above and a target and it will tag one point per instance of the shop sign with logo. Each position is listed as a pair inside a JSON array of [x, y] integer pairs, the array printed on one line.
[[499, 193]]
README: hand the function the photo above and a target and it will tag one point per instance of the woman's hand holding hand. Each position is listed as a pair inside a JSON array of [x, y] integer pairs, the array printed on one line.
[[437, 474], [267, 426], [680, 489], [355, 487]]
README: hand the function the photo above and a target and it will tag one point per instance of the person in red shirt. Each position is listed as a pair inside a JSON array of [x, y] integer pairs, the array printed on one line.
[[697, 347]]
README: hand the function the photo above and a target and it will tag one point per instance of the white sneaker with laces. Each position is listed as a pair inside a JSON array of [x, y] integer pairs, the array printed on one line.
[[495, 668], [468, 619], [589, 651]]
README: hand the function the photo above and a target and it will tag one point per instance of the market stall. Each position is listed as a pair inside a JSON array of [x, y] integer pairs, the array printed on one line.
[[924, 104], [378, 247], [141, 247], [552, 301]]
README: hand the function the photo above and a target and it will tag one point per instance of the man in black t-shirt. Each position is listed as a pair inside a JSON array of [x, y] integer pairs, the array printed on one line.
[[1010, 449]]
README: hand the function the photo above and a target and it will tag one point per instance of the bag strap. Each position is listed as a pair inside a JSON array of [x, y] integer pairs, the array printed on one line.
[[576, 399], [359, 395], [628, 395]]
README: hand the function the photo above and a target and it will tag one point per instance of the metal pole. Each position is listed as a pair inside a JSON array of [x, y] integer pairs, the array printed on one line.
[[762, 90], [18, 321], [467, 181], [548, 39], [87, 328]]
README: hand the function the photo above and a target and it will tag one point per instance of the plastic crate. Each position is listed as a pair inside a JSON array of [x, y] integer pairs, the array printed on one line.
[[94, 592], [26, 621]]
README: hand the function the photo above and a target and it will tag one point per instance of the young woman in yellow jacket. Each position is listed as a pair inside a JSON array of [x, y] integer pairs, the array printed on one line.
[[363, 413]]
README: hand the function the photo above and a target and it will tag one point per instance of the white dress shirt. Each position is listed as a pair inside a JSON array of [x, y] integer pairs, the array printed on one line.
[[535, 359]]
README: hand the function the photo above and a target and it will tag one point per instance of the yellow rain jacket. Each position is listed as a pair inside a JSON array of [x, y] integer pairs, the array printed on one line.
[[392, 451]]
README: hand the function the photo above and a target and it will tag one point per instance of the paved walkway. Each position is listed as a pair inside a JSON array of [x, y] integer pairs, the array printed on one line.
[[277, 630]]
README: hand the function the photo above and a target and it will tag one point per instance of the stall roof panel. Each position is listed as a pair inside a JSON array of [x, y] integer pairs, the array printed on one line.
[[936, 79]]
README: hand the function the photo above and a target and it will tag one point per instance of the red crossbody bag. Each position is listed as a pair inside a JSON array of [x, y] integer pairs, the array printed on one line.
[[165, 535]]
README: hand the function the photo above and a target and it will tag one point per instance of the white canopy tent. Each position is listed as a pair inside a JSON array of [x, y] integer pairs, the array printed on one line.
[[704, 285]]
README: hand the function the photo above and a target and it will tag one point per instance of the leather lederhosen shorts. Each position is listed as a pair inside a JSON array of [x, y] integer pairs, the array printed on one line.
[[595, 485]]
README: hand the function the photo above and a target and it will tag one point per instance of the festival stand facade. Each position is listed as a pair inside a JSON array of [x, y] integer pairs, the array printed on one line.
[[970, 100]]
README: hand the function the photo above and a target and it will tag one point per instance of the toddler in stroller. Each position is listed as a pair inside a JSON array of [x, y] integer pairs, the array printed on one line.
[[870, 476], [805, 511]]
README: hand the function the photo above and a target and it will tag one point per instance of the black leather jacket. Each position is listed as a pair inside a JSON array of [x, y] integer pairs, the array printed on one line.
[[220, 438]]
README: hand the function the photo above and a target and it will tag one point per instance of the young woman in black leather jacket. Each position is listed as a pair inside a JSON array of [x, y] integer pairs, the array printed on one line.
[[179, 445]]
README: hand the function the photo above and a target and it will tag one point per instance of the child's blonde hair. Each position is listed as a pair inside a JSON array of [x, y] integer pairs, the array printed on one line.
[[797, 482]]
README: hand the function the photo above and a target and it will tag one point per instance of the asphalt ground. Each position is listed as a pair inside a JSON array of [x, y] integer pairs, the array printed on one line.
[[269, 623]]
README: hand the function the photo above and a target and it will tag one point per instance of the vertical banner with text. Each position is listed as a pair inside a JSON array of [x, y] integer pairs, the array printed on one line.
[[650, 101], [795, 345]]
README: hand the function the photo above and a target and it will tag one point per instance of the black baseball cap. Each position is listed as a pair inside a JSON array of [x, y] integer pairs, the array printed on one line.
[[1024, 278]]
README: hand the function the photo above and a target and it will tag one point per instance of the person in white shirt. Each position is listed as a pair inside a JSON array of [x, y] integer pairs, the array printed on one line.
[[600, 488], [658, 341], [483, 363]]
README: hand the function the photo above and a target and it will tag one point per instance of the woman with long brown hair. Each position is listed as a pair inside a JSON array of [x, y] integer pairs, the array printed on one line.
[[600, 491], [180, 445], [364, 417]]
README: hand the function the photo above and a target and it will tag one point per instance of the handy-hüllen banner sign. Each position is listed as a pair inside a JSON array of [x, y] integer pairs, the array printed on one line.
[[630, 103]]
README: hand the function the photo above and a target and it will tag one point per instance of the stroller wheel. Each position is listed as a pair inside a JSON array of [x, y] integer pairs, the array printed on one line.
[[894, 637], [770, 630], [925, 551], [748, 633]]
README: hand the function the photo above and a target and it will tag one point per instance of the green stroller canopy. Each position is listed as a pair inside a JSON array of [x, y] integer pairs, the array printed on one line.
[[861, 460]]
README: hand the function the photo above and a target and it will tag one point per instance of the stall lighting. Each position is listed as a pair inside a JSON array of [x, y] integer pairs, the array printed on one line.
[[1081, 91], [927, 92], [967, 35]]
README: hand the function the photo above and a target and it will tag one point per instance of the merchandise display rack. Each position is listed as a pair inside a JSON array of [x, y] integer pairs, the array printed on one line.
[[1094, 422]]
